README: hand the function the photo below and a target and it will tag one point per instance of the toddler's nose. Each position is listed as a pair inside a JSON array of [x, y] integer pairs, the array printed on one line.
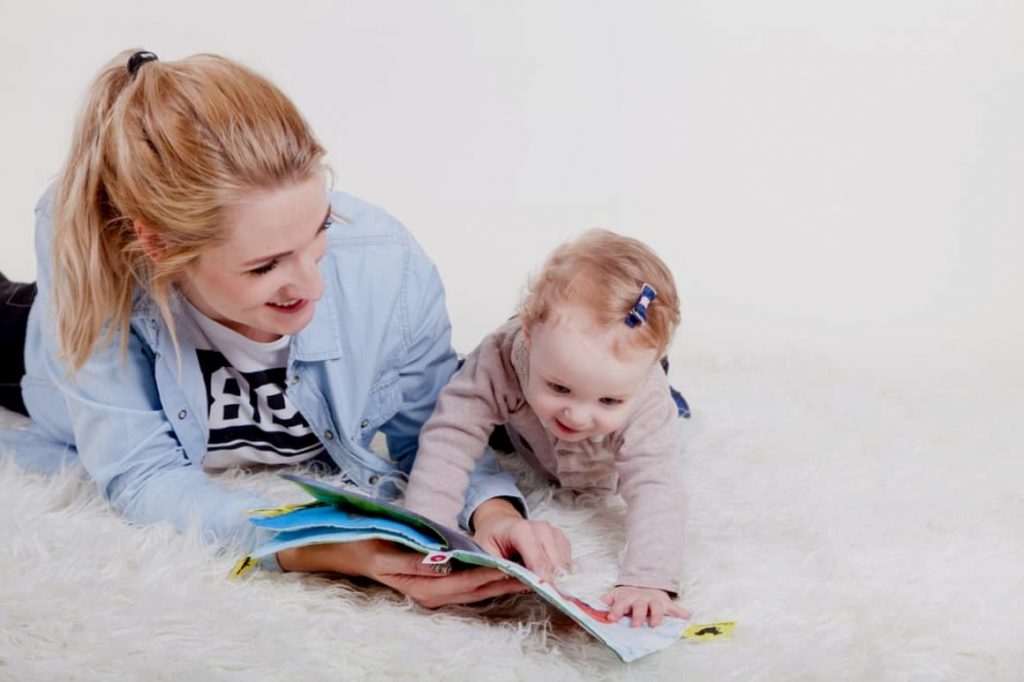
[[575, 418]]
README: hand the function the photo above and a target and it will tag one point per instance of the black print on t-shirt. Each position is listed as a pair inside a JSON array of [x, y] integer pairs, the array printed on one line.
[[249, 409]]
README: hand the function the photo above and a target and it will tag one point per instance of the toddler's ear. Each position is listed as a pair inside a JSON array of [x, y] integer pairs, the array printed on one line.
[[151, 242]]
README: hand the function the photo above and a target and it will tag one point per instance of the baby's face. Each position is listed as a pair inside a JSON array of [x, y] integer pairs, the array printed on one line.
[[578, 386]]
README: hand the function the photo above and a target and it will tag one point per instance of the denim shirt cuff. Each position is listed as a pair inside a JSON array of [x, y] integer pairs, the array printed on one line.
[[270, 563], [498, 485]]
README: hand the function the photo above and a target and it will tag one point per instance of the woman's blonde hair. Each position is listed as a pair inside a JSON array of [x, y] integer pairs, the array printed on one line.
[[171, 145], [606, 272]]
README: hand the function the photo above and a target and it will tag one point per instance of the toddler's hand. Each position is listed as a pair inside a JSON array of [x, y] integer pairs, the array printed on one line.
[[641, 602]]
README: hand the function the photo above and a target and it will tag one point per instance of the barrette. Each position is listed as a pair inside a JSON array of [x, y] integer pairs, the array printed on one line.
[[638, 314]]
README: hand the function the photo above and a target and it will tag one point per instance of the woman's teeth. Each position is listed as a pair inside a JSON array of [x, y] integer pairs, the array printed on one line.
[[287, 304]]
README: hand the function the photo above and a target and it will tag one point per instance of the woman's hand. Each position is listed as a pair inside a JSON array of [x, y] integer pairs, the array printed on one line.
[[401, 570], [501, 530], [641, 602]]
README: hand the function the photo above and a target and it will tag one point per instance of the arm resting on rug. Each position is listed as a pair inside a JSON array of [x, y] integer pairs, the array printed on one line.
[[128, 446]]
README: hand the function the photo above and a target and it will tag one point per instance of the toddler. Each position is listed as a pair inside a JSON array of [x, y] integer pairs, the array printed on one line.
[[575, 379]]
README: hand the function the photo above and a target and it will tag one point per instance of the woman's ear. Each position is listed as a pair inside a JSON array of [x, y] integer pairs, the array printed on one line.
[[151, 243]]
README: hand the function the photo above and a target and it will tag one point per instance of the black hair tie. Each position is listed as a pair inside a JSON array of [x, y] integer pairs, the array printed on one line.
[[138, 59]]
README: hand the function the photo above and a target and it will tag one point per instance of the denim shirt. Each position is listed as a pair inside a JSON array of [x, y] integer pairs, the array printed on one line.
[[373, 358]]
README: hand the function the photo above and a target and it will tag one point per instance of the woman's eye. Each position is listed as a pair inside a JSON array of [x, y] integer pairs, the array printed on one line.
[[558, 388], [327, 225], [264, 269], [611, 402]]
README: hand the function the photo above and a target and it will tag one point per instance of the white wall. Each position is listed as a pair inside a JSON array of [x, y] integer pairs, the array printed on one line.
[[818, 174]]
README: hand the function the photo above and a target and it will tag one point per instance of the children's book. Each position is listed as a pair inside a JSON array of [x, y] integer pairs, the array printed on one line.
[[340, 515]]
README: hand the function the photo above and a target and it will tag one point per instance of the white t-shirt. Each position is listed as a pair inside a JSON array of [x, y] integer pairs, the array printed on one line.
[[250, 416]]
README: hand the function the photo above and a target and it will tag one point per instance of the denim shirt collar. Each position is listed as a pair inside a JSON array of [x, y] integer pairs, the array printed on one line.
[[321, 339]]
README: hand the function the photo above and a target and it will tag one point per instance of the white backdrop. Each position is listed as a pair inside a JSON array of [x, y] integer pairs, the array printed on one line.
[[820, 176], [835, 185]]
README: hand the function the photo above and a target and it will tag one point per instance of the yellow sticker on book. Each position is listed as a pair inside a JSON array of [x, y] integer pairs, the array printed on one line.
[[709, 630], [243, 566], [278, 511]]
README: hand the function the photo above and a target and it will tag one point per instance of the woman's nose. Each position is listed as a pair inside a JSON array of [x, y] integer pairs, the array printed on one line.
[[306, 281]]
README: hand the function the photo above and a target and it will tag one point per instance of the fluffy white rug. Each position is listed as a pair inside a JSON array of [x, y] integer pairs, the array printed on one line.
[[857, 525]]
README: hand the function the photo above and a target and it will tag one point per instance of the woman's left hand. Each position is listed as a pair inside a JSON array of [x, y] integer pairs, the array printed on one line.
[[501, 530]]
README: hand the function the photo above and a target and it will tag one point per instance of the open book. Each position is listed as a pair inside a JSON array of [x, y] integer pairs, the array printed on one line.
[[340, 515]]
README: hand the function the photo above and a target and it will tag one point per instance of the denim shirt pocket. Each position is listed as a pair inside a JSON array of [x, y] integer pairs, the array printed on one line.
[[381, 405]]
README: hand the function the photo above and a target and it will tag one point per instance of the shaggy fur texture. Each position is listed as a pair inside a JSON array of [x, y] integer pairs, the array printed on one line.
[[858, 525]]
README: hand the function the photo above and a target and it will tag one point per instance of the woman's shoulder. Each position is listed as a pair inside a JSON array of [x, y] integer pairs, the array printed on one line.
[[369, 244], [44, 220], [359, 219]]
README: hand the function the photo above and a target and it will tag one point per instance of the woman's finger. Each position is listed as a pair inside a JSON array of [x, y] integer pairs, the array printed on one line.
[[489, 590], [460, 582], [526, 542], [414, 564], [392, 559], [460, 588], [556, 546]]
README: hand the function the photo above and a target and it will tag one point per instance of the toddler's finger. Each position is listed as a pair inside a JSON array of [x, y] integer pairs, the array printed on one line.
[[657, 613], [619, 608], [639, 613], [678, 611]]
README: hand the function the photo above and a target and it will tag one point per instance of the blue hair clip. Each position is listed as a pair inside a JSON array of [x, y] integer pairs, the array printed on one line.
[[638, 315]]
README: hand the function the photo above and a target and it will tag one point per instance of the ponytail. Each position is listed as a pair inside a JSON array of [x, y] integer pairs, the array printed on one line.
[[170, 144]]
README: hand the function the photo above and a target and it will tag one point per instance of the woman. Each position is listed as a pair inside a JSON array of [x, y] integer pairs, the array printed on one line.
[[204, 302]]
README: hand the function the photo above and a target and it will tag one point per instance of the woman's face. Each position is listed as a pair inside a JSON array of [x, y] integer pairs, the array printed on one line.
[[263, 281]]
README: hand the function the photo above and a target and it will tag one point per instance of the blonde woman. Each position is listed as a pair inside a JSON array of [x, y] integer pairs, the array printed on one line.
[[204, 301], [577, 382]]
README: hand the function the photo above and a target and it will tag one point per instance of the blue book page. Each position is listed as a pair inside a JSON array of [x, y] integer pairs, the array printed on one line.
[[371, 506], [326, 516], [322, 535]]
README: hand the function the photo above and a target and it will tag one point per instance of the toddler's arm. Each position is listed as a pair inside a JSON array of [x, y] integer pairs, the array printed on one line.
[[650, 482], [455, 436]]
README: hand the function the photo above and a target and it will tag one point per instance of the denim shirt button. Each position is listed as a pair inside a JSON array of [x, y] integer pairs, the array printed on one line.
[[182, 414], [363, 424], [328, 435], [373, 479], [295, 379]]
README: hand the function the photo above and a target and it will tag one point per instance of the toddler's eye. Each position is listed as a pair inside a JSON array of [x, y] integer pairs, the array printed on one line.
[[558, 388], [611, 402]]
